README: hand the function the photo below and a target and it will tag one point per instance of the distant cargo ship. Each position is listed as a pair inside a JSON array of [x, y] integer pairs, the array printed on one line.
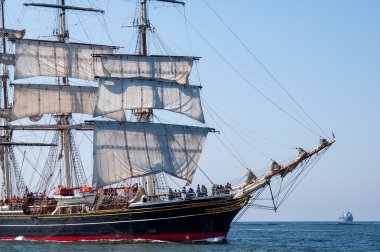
[[346, 217]]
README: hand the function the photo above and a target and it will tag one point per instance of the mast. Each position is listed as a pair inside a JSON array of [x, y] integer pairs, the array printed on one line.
[[63, 35], [5, 136], [145, 115], [143, 27], [5, 76], [64, 119]]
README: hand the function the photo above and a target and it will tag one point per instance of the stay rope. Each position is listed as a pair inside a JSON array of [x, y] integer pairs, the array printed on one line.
[[266, 70]]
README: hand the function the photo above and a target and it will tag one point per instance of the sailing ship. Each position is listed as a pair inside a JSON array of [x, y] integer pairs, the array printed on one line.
[[128, 197]]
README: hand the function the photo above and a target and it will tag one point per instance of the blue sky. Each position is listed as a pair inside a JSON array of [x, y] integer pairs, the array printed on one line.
[[325, 53]]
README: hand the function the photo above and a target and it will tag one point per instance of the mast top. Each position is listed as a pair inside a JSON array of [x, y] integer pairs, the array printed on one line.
[[146, 115]]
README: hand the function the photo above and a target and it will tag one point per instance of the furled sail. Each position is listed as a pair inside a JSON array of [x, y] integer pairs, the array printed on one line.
[[174, 68], [116, 94], [57, 59], [12, 35], [4, 113], [36, 99], [125, 150], [7, 59]]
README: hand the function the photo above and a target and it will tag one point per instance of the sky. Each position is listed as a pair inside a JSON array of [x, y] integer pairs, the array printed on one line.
[[325, 54]]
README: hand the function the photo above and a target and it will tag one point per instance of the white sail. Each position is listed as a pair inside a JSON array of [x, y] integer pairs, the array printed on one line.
[[57, 59], [174, 68], [117, 94], [7, 59], [126, 150], [39, 99]]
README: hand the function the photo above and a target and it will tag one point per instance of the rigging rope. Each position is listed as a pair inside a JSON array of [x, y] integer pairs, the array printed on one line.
[[242, 162], [257, 137], [239, 135], [190, 45], [263, 66], [306, 171], [250, 83], [292, 183], [249, 67], [242, 212]]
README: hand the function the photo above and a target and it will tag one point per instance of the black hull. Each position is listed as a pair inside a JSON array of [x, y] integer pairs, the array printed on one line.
[[171, 221]]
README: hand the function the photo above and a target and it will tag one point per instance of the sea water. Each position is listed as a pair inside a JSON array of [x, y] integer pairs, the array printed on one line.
[[247, 236]]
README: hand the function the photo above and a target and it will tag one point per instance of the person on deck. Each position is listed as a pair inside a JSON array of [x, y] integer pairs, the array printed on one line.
[[204, 191], [171, 195], [184, 192], [199, 191]]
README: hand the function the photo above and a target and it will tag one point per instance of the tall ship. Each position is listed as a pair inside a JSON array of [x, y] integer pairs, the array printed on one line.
[[54, 90]]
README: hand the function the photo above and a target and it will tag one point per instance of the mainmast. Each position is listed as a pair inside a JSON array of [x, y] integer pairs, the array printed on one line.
[[64, 119]]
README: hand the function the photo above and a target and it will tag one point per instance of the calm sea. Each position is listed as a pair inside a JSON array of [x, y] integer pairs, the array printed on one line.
[[252, 236]]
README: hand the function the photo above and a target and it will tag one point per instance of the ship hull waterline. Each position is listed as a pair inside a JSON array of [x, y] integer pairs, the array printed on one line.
[[184, 220]]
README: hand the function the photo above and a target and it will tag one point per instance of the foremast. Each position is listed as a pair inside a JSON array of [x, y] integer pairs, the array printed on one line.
[[145, 115]]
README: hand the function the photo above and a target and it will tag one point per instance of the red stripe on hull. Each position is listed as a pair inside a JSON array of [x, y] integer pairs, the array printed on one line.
[[160, 237]]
